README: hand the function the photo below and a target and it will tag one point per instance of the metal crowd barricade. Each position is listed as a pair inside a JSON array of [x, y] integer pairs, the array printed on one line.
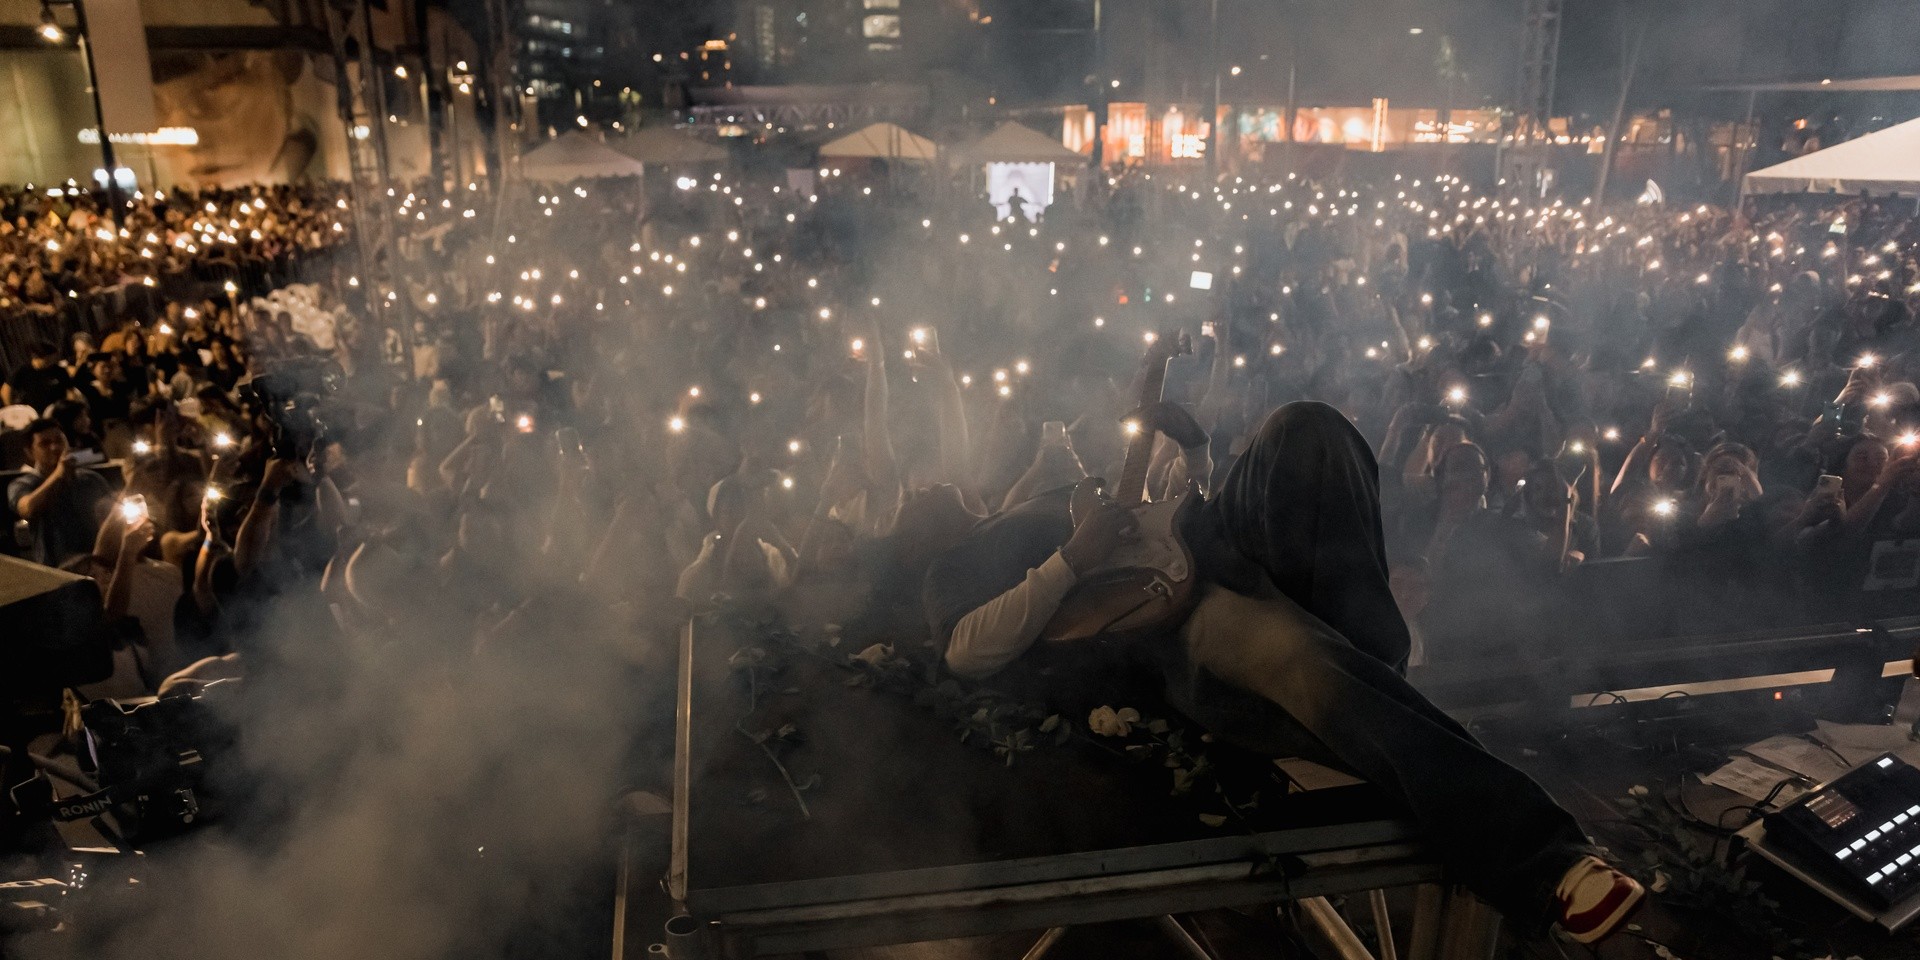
[[99, 311]]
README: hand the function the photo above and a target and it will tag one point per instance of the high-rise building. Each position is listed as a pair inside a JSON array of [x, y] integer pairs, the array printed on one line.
[[561, 44], [817, 41]]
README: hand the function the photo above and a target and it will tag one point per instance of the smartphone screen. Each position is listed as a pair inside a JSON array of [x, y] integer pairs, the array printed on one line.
[[1844, 417], [1200, 280]]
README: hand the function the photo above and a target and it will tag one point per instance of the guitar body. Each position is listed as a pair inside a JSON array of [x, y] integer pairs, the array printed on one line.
[[1146, 587]]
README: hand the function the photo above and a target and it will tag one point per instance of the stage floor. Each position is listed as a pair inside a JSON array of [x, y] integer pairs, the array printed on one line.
[[910, 834]]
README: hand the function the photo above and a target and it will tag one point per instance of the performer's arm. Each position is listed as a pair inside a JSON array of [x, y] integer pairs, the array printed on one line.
[[997, 632]]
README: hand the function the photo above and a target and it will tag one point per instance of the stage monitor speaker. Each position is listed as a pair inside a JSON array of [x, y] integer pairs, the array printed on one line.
[[52, 630]]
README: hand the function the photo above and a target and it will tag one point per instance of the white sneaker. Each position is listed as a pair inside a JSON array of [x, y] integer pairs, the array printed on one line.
[[1595, 899]]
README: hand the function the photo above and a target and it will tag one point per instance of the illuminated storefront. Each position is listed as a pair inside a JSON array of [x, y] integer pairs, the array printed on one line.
[[1178, 134], [1377, 127]]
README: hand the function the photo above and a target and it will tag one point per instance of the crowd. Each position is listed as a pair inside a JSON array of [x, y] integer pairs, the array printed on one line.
[[722, 386], [443, 504], [56, 245]]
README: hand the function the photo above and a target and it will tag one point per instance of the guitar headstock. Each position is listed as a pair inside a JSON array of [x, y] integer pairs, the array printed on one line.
[[1166, 346]]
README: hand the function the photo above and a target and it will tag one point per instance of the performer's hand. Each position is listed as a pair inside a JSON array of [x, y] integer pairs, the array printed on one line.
[[1173, 420], [1098, 536]]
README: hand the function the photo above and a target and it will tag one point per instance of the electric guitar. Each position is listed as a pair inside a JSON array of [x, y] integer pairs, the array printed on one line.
[[1148, 584]]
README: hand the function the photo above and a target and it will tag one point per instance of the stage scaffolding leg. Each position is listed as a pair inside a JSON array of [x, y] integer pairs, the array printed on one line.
[[1429, 910], [1344, 941], [1382, 924], [1181, 938], [1472, 928], [1045, 943], [686, 939]]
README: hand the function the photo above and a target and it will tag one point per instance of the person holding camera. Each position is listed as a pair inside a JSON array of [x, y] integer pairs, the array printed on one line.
[[61, 503]]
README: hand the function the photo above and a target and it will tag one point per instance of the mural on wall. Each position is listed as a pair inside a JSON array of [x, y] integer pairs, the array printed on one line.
[[225, 119], [258, 116]]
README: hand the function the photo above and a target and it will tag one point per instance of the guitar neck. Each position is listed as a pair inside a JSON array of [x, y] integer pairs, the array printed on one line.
[[1133, 473]]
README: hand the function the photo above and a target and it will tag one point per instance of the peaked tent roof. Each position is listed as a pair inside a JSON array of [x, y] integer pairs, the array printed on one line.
[[576, 156], [1887, 161], [660, 144], [885, 141], [1012, 142]]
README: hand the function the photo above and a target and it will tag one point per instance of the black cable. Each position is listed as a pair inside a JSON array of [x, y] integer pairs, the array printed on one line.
[[1822, 744], [1659, 947], [1719, 827], [1782, 785], [1597, 730], [1686, 814], [1756, 810]]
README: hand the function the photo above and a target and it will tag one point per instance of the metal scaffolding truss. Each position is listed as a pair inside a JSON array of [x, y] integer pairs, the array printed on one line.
[[1539, 64], [362, 99]]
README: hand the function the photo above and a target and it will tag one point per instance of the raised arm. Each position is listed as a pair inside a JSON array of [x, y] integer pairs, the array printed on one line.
[[1173, 421], [256, 530], [1861, 513], [120, 583], [882, 469], [1642, 451], [30, 506], [841, 483], [1214, 402], [951, 412]]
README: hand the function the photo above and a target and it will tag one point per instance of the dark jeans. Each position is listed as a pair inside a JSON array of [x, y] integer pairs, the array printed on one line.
[[1297, 649]]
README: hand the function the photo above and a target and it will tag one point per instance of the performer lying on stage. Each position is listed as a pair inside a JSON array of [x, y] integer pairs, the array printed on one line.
[[1293, 648]]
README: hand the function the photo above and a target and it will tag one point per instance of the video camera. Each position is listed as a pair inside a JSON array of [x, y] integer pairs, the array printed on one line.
[[297, 397], [152, 760]]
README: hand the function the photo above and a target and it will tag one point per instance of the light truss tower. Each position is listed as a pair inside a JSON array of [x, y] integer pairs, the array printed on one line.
[[362, 99], [1539, 63]]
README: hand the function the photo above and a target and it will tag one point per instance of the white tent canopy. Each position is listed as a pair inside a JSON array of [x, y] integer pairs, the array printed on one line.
[[576, 156], [1884, 162], [1882, 84], [883, 141], [660, 144], [1014, 143]]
